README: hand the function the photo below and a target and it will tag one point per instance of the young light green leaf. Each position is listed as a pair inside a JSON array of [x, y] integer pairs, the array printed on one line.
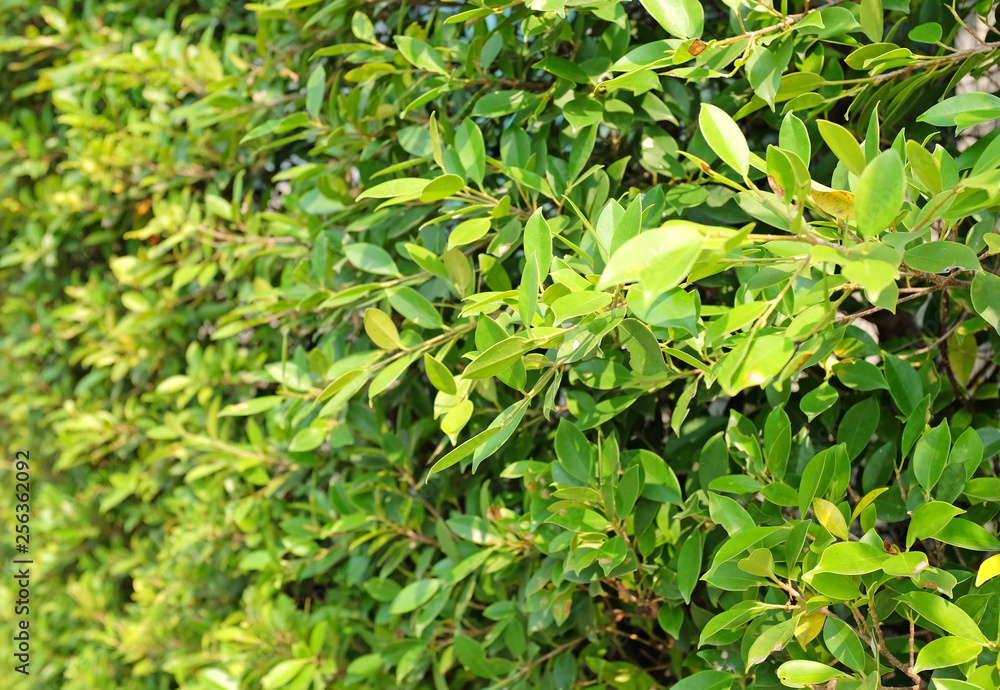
[[680, 18], [421, 54], [371, 258], [872, 19], [439, 375], [403, 186], [803, 673], [851, 558], [843, 144], [928, 519], [441, 188], [725, 138], [250, 407], [414, 307], [659, 259], [986, 297], [468, 231], [498, 357], [381, 329]]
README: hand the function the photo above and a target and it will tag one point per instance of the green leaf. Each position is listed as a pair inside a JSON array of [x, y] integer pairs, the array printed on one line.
[[538, 243], [563, 68], [967, 535], [944, 614], [645, 356], [928, 519], [498, 357], [680, 18], [931, 455], [904, 383], [981, 105], [986, 297], [575, 453], [371, 258], [794, 137], [401, 187], [414, 595], [415, 307], [689, 563], [577, 304], [420, 54], [471, 150], [946, 651], [283, 673], [818, 400], [735, 616], [929, 32], [802, 673], [362, 27], [754, 363], [463, 451], [441, 188], [873, 275], [705, 680], [968, 451], [880, 193], [307, 439], [872, 23], [439, 375], [940, 256], [844, 644], [844, 146], [760, 562], [381, 329], [469, 231], [770, 640], [470, 653], [660, 259], [315, 90], [725, 138], [906, 564], [251, 407], [731, 515], [851, 558]]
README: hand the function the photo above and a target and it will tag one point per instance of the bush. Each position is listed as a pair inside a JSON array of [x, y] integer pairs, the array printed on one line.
[[545, 345]]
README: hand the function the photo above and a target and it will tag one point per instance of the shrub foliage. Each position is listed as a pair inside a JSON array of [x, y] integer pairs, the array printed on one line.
[[560, 344]]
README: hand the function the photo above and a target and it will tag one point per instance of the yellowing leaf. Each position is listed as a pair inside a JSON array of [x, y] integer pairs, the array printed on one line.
[[809, 626], [988, 570], [830, 517], [834, 202]]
